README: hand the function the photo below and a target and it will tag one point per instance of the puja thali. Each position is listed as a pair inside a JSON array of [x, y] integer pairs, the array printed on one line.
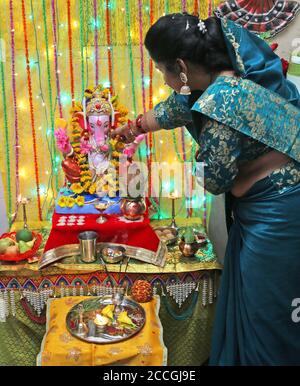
[[105, 320]]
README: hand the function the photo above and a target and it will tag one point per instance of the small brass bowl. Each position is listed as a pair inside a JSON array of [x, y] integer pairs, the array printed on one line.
[[164, 230], [112, 254]]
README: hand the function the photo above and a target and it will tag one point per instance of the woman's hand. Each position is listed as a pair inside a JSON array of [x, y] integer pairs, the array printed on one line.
[[256, 170], [127, 132]]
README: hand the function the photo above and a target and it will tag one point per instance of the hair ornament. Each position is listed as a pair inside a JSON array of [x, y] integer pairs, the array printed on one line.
[[202, 27], [187, 25]]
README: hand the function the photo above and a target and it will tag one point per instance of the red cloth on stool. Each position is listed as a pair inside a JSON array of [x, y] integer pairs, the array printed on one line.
[[133, 233]]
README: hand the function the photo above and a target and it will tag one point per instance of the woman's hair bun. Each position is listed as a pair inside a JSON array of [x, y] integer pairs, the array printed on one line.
[[187, 37]]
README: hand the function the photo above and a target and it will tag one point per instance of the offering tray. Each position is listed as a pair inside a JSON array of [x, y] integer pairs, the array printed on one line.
[[72, 252], [101, 321]]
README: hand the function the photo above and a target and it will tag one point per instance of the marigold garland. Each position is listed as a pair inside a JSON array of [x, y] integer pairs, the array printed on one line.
[[36, 168], [86, 185]]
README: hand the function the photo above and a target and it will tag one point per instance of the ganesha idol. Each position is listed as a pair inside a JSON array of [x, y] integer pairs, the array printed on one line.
[[90, 152]]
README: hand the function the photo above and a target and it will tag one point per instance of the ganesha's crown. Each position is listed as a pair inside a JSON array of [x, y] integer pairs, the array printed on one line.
[[98, 106]]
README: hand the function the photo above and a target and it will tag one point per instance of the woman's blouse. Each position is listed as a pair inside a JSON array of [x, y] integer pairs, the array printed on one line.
[[222, 148]]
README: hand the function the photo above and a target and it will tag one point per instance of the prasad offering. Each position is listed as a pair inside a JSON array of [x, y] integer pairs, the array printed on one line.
[[99, 320]]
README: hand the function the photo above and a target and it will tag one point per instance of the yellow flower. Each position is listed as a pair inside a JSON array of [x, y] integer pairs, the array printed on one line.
[[79, 200], [92, 189], [62, 202], [115, 154], [76, 108], [77, 188], [113, 142], [122, 120], [114, 162], [120, 146], [71, 202], [87, 186], [84, 179]]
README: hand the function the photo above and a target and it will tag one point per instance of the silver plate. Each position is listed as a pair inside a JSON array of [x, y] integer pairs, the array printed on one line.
[[134, 310], [73, 250]]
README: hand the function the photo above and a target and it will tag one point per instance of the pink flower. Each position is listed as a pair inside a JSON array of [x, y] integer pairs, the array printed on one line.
[[85, 147], [63, 141], [104, 148], [130, 150]]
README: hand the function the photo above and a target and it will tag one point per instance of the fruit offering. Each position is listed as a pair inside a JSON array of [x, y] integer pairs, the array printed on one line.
[[21, 245]]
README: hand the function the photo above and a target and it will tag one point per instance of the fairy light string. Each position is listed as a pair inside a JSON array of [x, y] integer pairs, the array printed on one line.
[[108, 41], [41, 95], [96, 43], [52, 142], [167, 7], [14, 92], [55, 47], [81, 18], [70, 51], [131, 64], [142, 66], [36, 167], [7, 150]]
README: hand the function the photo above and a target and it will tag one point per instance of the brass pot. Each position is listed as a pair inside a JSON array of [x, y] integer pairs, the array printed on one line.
[[188, 249], [133, 208]]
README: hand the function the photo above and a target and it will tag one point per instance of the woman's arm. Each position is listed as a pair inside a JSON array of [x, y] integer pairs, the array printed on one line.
[[169, 114]]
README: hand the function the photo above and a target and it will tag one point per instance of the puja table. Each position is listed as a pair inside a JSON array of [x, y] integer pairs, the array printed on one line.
[[187, 289]]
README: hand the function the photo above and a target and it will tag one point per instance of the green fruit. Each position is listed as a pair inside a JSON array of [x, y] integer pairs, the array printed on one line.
[[23, 246], [24, 235], [5, 243]]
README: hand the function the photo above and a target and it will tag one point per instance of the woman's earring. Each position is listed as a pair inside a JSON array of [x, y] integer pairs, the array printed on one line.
[[185, 90]]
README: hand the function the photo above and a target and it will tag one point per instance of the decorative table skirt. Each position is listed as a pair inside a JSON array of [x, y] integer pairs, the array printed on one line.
[[60, 348], [188, 288]]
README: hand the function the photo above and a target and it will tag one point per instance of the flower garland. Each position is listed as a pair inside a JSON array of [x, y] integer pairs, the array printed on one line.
[[54, 29], [148, 149], [4, 105], [13, 78], [96, 44], [132, 77], [108, 40], [196, 7], [70, 49], [81, 45], [36, 168], [53, 148]]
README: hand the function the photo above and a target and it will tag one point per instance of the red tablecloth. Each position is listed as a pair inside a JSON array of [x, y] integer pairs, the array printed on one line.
[[115, 230]]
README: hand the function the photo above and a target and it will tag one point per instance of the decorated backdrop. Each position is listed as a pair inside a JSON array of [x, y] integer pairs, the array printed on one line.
[[51, 50]]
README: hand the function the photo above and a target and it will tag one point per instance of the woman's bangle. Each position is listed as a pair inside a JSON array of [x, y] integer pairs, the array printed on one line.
[[138, 124]]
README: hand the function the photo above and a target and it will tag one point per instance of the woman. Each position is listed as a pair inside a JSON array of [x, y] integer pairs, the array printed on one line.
[[245, 117]]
